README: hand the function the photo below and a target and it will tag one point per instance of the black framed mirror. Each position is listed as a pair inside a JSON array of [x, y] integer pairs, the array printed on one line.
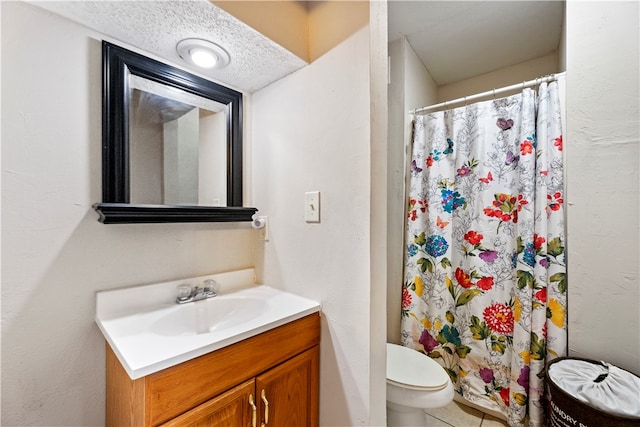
[[171, 144]]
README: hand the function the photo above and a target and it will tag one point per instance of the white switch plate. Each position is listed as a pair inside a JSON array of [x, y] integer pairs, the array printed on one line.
[[312, 206]]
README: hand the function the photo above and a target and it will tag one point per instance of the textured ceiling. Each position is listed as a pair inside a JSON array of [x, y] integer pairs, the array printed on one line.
[[156, 27], [456, 40]]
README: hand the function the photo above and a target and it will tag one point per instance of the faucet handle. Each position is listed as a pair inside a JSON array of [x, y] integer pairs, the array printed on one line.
[[211, 286], [184, 292]]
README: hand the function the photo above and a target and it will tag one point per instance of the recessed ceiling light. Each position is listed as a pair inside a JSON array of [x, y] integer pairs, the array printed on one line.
[[202, 53]]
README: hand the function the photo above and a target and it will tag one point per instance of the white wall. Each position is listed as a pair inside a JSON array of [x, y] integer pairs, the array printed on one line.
[[562, 46], [55, 254], [602, 181], [146, 153], [410, 87], [212, 146], [311, 131], [395, 195], [378, 118], [507, 76], [419, 86]]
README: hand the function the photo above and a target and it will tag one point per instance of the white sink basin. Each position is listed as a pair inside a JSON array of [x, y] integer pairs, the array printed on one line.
[[149, 332], [208, 315]]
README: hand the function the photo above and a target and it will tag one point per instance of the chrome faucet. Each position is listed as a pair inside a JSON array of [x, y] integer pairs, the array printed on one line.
[[188, 294]]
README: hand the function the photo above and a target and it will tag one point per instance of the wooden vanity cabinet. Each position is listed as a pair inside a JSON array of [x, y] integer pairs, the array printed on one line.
[[232, 408], [277, 372]]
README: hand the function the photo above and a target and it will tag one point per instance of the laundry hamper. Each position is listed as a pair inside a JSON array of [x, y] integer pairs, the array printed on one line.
[[589, 393]]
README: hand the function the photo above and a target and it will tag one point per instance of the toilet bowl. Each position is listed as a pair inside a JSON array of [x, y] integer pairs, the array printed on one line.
[[415, 382]]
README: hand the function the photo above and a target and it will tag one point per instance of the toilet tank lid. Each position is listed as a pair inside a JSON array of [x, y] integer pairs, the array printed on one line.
[[414, 369]]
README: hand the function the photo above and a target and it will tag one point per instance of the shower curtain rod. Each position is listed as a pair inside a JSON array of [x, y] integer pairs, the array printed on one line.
[[548, 78]]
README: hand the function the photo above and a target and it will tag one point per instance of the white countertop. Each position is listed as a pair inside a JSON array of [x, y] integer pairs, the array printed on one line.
[[149, 332]]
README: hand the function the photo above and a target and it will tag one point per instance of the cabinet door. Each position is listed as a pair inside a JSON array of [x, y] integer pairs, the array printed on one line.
[[288, 394], [230, 409]]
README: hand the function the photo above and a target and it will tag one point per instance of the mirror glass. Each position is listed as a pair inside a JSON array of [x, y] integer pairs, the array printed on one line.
[[171, 144], [177, 144]]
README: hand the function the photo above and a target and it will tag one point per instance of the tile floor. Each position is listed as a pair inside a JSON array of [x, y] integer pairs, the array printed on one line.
[[458, 415]]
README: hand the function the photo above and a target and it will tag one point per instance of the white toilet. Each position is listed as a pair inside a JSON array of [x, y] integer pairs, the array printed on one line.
[[415, 382]]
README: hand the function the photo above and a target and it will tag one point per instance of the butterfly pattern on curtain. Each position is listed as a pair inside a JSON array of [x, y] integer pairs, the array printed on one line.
[[485, 276]]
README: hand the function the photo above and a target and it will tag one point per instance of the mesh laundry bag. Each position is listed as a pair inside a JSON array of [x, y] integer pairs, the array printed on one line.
[[589, 393]]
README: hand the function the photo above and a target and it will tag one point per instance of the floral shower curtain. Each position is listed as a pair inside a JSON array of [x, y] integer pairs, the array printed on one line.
[[485, 277]]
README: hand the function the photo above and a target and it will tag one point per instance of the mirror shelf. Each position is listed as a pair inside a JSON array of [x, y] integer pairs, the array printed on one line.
[[171, 144], [126, 213]]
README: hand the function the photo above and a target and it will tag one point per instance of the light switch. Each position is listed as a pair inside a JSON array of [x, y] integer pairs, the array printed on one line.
[[312, 206]]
